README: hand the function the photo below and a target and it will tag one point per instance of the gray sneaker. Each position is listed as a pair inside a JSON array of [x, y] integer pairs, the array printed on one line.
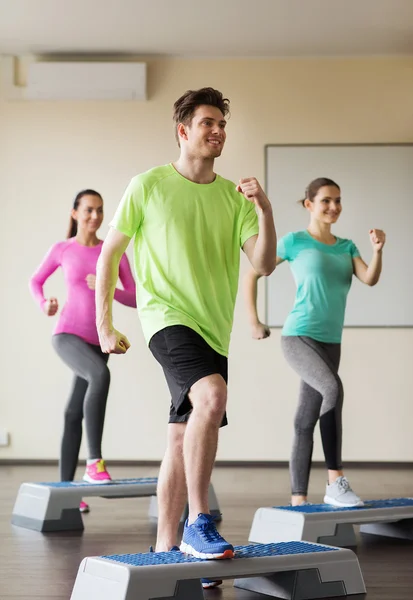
[[341, 495]]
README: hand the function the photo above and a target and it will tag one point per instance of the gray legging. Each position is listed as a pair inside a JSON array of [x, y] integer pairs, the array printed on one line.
[[87, 399], [321, 397]]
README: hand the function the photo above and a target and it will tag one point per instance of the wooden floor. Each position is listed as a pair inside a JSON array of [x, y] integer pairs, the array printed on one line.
[[38, 566]]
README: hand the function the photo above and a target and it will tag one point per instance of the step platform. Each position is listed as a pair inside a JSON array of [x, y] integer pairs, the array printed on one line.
[[289, 570], [326, 524], [54, 506]]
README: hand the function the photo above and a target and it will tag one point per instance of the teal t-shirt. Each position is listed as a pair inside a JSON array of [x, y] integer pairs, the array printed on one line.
[[186, 251], [323, 275]]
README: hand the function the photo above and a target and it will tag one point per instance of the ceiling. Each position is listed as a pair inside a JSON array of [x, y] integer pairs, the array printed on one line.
[[217, 28]]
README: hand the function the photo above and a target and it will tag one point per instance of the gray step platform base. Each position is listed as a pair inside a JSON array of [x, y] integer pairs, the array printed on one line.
[[54, 506], [289, 570], [329, 525], [402, 529]]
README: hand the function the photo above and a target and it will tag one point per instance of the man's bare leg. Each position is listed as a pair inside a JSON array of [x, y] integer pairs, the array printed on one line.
[[171, 492], [208, 397]]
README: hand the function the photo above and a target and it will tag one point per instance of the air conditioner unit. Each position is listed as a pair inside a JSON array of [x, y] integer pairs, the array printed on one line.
[[80, 81]]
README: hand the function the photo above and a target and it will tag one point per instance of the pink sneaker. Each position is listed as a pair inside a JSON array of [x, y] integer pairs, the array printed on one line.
[[97, 473], [83, 507]]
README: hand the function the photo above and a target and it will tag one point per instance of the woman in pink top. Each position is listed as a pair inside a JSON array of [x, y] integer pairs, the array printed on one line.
[[75, 337]]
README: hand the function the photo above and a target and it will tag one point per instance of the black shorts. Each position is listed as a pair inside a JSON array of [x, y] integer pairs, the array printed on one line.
[[185, 358]]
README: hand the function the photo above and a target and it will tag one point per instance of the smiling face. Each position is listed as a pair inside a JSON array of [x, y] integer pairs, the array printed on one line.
[[204, 137], [89, 213], [325, 206]]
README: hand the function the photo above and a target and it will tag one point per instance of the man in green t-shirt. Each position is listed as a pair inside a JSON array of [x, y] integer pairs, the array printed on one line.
[[188, 226]]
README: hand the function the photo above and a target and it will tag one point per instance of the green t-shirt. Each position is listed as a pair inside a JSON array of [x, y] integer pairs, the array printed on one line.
[[186, 251], [323, 275]]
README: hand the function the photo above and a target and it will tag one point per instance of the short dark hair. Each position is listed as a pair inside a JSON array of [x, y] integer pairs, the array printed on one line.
[[313, 188], [187, 104]]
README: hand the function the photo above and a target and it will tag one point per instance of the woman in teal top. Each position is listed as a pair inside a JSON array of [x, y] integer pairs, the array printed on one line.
[[323, 266]]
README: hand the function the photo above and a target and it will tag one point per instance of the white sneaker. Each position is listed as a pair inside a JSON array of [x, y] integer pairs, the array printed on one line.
[[341, 495]]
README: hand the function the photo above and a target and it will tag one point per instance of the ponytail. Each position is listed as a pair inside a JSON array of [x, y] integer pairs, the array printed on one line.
[[72, 230]]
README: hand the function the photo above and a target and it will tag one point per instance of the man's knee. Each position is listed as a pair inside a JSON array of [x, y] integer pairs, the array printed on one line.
[[209, 396]]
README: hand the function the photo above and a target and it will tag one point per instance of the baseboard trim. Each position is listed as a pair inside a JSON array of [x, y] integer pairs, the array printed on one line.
[[270, 464]]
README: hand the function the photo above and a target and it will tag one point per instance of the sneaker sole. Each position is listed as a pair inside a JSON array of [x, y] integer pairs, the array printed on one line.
[[212, 584], [100, 482], [337, 504], [84, 510], [187, 549]]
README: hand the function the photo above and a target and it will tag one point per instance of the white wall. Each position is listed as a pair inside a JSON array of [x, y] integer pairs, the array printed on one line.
[[48, 151]]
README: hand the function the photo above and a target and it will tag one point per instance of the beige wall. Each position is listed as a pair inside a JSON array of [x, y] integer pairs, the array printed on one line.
[[48, 151]]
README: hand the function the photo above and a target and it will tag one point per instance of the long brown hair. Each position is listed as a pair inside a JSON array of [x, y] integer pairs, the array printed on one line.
[[72, 231]]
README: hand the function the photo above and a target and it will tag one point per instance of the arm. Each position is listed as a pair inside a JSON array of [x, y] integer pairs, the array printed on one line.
[[127, 296], [46, 268], [259, 330], [107, 271], [261, 249], [370, 274]]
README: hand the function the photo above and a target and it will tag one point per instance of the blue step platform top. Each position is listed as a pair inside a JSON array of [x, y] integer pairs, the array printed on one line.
[[250, 551], [70, 484], [368, 504]]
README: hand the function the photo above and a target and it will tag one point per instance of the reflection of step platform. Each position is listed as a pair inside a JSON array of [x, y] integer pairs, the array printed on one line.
[[329, 525], [291, 570], [55, 506]]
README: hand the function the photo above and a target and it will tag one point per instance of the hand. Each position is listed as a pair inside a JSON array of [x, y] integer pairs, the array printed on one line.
[[377, 238], [260, 331], [113, 342], [91, 281], [50, 307], [254, 193]]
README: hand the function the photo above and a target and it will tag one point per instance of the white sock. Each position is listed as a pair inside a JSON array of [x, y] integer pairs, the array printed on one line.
[[91, 461]]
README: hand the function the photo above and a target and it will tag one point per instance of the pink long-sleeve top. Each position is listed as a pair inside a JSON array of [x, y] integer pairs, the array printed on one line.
[[78, 315]]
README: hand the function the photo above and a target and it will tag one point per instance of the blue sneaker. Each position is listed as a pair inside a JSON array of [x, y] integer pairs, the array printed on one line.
[[208, 584], [202, 540], [173, 549]]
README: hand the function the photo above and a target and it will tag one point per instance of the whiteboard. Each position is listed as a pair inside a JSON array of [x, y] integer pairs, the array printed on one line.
[[376, 182]]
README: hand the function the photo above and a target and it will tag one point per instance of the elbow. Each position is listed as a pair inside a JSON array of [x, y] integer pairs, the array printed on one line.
[[130, 303], [33, 281], [34, 285], [266, 270], [372, 280]]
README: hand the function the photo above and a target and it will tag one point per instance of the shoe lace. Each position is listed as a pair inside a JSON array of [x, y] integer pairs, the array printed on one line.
[[100, 466], [343, 484], [208, 530]]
